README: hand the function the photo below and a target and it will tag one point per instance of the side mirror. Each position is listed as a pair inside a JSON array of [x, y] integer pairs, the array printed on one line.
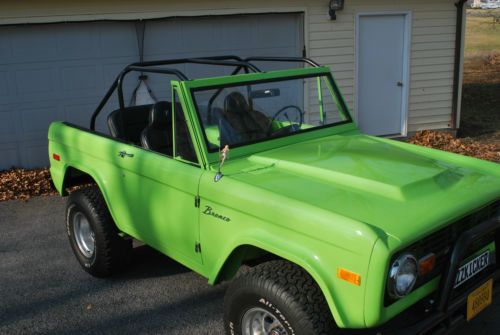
[[223, 155]]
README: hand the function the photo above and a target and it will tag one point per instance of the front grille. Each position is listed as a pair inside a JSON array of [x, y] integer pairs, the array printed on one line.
[[441, 242]]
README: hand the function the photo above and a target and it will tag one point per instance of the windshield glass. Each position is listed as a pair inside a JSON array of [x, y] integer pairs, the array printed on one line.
[[253, 112]]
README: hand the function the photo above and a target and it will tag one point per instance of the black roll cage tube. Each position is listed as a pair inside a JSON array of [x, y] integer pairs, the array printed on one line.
[[152, 67]]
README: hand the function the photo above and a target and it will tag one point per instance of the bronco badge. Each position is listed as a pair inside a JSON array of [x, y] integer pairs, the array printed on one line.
[[209, 211]]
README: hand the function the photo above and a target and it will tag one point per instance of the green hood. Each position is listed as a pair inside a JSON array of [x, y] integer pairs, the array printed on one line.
[[387, 186]]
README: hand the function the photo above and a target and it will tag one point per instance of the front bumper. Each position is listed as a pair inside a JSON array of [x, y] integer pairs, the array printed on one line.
[[424, 318], [444, 310]]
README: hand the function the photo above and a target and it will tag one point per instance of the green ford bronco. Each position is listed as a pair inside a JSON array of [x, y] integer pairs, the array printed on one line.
[[263, 176]]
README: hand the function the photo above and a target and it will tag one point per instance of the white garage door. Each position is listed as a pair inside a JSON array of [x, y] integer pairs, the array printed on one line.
[[61, 71]]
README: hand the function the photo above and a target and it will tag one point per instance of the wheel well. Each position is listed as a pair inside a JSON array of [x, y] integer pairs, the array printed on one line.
[[75, 179], [248, 255], [245, 255]]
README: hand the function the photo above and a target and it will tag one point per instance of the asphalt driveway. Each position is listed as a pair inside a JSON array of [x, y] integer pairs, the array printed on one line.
[[44, 291]]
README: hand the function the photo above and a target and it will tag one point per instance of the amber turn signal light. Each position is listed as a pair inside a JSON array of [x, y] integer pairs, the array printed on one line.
[[426, 264], [349, 276]]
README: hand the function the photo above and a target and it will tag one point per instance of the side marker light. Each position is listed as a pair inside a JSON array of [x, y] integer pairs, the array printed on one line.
[[349, 276]]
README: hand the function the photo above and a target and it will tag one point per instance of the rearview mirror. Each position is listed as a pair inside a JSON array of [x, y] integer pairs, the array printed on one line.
[[267, 93]]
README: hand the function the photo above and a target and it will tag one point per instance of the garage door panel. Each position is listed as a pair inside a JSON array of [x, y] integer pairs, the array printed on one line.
[[111, 69], [129, 85], [10, 155], [34, 153], [198, 36], [34, 82], [163, 37], [235, 32], [62, 71], [79, 113], [5, 48], [4, 87], [78, 41], [7, 123], [27, 42], [207, 71], [160, 85], [275, 32], [117, 39], [35, 121], [80, 80]]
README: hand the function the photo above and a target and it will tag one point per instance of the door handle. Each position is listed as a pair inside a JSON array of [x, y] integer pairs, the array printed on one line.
[[124, 154], [399, 83]]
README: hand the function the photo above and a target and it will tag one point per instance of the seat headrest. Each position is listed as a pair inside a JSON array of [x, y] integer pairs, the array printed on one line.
[[160, 112], [235, 102]]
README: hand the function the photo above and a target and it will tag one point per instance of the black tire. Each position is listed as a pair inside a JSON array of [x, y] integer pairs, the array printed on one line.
[[111, 252], [284, 290]]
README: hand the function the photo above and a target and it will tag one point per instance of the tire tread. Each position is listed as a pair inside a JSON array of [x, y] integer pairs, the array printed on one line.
[[112, 250], [295, 288]]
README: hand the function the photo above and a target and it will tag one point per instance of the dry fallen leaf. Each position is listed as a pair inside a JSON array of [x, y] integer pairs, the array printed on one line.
[[465, 146], [22, 184]]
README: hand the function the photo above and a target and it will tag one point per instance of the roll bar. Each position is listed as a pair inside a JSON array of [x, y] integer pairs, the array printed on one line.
[[153, 67]]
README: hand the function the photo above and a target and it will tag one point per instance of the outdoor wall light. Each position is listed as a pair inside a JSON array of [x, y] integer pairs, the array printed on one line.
[[334, 6]]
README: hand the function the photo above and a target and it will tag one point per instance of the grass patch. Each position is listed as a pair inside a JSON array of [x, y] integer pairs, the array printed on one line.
[[482, 47], [483, 31], [480, 116]]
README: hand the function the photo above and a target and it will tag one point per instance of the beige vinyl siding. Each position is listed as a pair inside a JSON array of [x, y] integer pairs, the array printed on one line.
[[431, 57], [331, 43]]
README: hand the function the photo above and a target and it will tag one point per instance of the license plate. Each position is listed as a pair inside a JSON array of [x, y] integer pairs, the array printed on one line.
[[479, 299], [472, 268]]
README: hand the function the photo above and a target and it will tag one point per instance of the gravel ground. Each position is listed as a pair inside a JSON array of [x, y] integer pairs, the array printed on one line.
[[44, 291]]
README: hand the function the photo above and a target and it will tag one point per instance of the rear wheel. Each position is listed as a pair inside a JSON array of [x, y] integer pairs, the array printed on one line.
[[93, 234], [277, 298]]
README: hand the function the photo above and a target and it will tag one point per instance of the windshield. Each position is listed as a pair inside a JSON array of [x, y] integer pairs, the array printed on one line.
[[247, 113]]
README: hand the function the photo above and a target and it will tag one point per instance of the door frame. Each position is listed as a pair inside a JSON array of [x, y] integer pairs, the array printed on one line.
[[406, 64]]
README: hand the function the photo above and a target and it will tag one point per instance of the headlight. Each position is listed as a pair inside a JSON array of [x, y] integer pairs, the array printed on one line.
[[402, 276]]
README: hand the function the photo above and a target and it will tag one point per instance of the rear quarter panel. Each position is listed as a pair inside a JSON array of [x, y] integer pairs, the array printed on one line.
[[95, 155]]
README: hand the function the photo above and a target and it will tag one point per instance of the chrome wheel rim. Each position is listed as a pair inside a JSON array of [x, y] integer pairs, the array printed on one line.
[[258, 321], [84, 235]]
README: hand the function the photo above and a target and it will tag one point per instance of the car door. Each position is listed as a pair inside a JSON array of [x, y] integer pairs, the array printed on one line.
[[160, 192]]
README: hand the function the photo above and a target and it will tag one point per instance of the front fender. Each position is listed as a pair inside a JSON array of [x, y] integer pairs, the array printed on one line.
[[318, 240], [344, 299]]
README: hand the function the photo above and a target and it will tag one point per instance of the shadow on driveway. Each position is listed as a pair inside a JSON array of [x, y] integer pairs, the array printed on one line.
[[43, 290]]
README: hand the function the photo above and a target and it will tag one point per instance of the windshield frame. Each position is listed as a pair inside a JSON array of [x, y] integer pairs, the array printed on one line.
[[194, 86]]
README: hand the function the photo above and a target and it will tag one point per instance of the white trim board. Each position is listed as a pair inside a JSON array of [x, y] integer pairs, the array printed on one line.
[[461, 72], [147, 15]]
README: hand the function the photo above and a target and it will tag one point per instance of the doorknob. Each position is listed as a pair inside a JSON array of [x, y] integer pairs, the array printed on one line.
[[124, 154], [399, 83]]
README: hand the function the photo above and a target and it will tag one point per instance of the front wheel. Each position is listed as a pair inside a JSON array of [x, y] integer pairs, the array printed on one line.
[[276, 298]]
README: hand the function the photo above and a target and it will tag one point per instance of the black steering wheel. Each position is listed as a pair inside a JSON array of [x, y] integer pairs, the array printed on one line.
[[295, 123]]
